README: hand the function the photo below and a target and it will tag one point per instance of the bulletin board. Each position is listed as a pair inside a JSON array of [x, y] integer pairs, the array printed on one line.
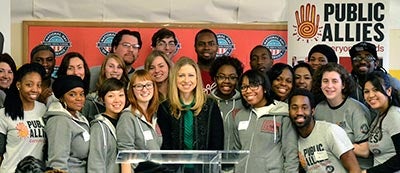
[[93, 39]]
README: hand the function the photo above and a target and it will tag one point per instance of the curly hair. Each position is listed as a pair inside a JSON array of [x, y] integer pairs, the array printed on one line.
[[226, 60], [347, 80]]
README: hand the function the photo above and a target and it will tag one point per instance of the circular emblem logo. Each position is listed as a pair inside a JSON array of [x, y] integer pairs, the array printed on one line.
[[104, 43], [58, 41], [330, 169], [225, 45], [276, 44], [178, 46]]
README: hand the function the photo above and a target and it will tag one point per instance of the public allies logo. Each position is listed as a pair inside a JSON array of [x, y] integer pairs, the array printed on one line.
[[276, 44], [104, 43], [58, 41], [307, 23], [225, 45]]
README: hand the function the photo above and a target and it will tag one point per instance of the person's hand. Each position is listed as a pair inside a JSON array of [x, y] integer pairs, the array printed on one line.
[[44, 95], [364, 171], [307, 21]]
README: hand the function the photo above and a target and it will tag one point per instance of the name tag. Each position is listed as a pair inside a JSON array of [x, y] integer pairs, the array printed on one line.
[[243, 125], [321, 155], [147, 135], [86, 136]]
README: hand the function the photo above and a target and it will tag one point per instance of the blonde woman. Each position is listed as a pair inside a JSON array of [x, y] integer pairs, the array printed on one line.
[[188, 119], [158, 65]]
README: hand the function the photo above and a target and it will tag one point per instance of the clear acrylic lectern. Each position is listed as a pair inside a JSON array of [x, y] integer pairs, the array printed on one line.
[[215, 158]]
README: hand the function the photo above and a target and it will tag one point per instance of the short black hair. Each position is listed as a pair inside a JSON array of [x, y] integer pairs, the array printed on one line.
[[118, 37], [302, 92], [161, 34], [205, 31], [111, 84], [41, 47], [261, 47], [305, 65], [226, 60]]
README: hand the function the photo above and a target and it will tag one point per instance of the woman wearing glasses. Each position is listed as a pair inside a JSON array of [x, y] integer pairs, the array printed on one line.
[[226, 71], [137, 128], [264, 128], [113, 67], [188, 119]]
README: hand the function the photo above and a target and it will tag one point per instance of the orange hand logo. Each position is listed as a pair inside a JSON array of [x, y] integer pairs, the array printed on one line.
[[23, 131], [307, 23]]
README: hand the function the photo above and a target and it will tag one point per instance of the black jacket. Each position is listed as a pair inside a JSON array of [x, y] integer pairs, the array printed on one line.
[[208, 128]]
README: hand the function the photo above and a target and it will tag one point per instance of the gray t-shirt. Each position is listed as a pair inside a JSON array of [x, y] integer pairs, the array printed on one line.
[[321, 150], [353, 117], [380, 141]]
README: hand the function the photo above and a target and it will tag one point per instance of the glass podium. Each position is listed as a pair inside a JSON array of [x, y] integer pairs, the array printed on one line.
[[205, 157]]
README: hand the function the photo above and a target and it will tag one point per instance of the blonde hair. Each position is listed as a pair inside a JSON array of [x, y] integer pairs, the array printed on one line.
[[153, 55], [149, 60], [102, 75], [199, 95], [142, 75]]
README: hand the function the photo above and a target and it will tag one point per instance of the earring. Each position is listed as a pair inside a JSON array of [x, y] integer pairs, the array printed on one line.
[[65, 105]]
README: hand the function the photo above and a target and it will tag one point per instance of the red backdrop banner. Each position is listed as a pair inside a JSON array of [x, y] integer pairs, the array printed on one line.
[[93, 39]]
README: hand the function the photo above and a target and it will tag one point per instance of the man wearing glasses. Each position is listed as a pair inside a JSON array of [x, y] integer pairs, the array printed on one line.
[[364, 61], [126, 45], [165, 41]]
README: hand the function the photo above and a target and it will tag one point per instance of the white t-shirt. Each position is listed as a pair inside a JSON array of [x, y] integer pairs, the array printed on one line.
[[321, 150], [24, 137]]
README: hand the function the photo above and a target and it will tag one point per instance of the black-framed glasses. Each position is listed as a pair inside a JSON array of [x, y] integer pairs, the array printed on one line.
[[229, 78], [368, 58], [139, 87], [252, 86], [129, 45]]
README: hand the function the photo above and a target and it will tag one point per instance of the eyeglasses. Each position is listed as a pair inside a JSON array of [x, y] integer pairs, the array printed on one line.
[[164, 44], [129, 45], [252, 86], [139, 87], [229, 78], [368, 58]]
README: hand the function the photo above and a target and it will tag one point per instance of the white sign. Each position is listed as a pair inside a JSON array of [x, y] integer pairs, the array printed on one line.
[[339, 24]]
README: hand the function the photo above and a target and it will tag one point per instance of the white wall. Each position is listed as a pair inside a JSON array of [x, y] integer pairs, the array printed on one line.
[[209, 11], [5, 24]]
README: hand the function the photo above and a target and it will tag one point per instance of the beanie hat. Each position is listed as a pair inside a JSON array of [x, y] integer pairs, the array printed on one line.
[[325, 50], [66, 83], [363, 46]]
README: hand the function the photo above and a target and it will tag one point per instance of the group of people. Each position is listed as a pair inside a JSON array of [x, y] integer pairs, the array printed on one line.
[[313, 117]]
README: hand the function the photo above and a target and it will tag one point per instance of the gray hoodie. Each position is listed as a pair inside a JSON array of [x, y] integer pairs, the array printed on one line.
[[270, 138], [229, 108], [103, 146], [68, 139], [93, 106], [135, 133]]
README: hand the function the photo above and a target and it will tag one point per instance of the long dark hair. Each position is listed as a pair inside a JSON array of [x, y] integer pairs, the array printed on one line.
[[380, 80], [13, 103], [6, 58], [62, 70]]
